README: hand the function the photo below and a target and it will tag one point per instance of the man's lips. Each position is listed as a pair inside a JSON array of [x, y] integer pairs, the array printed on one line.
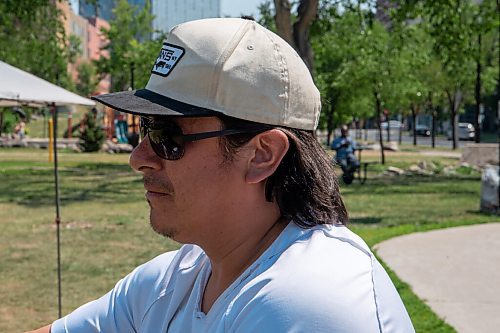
[[154, 194]]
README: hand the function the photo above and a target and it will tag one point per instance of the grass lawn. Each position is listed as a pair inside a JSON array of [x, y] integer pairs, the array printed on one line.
[[105, 231]]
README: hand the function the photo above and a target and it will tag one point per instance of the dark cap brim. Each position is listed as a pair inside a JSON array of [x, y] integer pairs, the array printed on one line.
[[144, 102]]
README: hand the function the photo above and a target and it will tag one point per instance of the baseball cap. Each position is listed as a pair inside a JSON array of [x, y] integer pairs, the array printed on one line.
[[227, 66]]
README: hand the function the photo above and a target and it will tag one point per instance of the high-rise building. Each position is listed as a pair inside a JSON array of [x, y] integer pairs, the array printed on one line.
[[169, 13], [104, 9]]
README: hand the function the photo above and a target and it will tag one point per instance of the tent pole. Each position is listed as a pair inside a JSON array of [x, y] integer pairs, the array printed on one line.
[[58, 218]]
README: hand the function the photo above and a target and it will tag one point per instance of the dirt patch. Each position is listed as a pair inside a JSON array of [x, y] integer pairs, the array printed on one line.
[[74, 225]]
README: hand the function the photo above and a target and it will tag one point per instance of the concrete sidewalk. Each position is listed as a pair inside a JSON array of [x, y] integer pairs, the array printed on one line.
[[455, 271]]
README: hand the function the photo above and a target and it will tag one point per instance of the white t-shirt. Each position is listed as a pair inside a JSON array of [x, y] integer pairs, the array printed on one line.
[[323, 279]]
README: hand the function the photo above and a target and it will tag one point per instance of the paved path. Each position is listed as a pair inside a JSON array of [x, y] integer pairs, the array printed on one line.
[[440, 153], [455, 271]]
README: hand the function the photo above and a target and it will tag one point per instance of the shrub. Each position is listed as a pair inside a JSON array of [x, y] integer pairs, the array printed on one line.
[[92, 135]]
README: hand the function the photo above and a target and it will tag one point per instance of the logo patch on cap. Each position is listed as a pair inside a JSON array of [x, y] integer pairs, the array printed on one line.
[[169, 56]]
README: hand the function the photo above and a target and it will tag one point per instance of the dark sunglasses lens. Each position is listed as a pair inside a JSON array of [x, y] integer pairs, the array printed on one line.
[[164, 146], [143, 127], [160, 138]]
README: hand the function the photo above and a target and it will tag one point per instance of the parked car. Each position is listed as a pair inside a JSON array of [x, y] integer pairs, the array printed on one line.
[[422, 130], [465, 131], [393, 124]]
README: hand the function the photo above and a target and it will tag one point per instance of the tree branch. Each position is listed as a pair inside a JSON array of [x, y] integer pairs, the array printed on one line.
[[307, 12], [284, 21]]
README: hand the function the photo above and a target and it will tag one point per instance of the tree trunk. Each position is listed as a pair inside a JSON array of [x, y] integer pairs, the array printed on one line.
[[454, 104], [283, 20], [329, 126], [433, 130], [365, 125], [477, 125], [306, 13], [379, 122], [388, 130], [414, 123], [298, 34], [433, 125], [400, 131]]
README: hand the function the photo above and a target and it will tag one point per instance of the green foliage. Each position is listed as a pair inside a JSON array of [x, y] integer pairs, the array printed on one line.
[[9, 120], [267, 15], [129, 46], [32, 38], [87, 78], [92, 135], [336, 68], [422, 59]]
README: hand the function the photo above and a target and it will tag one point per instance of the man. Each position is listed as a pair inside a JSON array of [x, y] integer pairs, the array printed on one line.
[[232, 170], [345, 147]]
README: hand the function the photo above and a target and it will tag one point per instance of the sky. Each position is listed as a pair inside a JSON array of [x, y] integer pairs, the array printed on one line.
[[235, 8]]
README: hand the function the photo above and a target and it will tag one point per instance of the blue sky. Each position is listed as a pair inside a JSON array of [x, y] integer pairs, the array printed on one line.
[[235, 8]]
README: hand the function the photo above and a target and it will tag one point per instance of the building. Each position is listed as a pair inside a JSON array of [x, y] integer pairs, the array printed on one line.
[[91, 40], [95, 43], [169, 13], [104, 9], [383, 11]]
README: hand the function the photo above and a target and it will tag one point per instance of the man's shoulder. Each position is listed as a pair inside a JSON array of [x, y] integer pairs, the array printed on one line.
[[324, 239], [326, 275], [324, 261], [159, 271]]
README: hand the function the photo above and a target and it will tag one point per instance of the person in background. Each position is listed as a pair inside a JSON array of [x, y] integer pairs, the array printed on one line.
[[20, 129], [345, 148]]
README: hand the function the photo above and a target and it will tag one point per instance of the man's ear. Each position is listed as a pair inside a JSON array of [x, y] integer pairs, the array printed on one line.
[[269, 148]]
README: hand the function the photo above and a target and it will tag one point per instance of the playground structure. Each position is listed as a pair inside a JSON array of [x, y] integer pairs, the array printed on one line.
[[121, 128]]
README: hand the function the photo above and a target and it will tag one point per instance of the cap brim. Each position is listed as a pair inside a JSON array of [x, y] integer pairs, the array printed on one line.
[[144, 102]]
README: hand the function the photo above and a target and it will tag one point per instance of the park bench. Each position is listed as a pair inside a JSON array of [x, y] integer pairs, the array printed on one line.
[[363, 166], [360, 173]]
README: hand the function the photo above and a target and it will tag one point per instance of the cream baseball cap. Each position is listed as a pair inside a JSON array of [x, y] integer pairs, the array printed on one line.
[[226, 65]]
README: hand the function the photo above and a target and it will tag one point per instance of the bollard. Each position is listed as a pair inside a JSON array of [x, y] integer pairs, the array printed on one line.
[[489, 190]]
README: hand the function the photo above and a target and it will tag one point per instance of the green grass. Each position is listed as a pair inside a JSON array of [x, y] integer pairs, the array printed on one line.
[[105, 233], [37, 127]]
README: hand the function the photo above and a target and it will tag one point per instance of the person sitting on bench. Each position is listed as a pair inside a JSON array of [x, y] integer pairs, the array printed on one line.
[[345, 146]]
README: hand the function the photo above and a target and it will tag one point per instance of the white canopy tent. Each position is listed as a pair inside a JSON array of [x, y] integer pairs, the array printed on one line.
[[18, 87]]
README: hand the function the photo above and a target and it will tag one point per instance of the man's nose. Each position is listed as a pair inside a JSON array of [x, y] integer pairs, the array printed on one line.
[[143, 157]]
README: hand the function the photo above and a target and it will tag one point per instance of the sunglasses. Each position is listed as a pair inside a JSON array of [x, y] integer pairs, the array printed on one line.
[[168, 141]]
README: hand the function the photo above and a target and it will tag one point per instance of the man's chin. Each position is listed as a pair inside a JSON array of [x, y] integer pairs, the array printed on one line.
[[162, 230]]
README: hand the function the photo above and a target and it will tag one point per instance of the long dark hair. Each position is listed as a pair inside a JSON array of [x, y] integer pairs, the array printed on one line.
[[304, 185]]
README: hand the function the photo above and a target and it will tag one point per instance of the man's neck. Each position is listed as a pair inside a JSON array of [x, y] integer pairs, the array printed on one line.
[[235, 257]]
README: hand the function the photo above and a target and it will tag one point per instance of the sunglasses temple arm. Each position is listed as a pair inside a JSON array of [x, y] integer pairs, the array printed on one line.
[[206, 135]]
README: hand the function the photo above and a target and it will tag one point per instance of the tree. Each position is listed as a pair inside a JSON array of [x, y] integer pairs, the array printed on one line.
[[485, 35], [129, 45], [420, 76], [334, 40], [32, 38], [87, 80], [449, 25], [378, 62], [92, 135], [297, 34]]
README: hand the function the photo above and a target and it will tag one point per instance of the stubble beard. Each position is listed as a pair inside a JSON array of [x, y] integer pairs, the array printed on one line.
[[162, 230]]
